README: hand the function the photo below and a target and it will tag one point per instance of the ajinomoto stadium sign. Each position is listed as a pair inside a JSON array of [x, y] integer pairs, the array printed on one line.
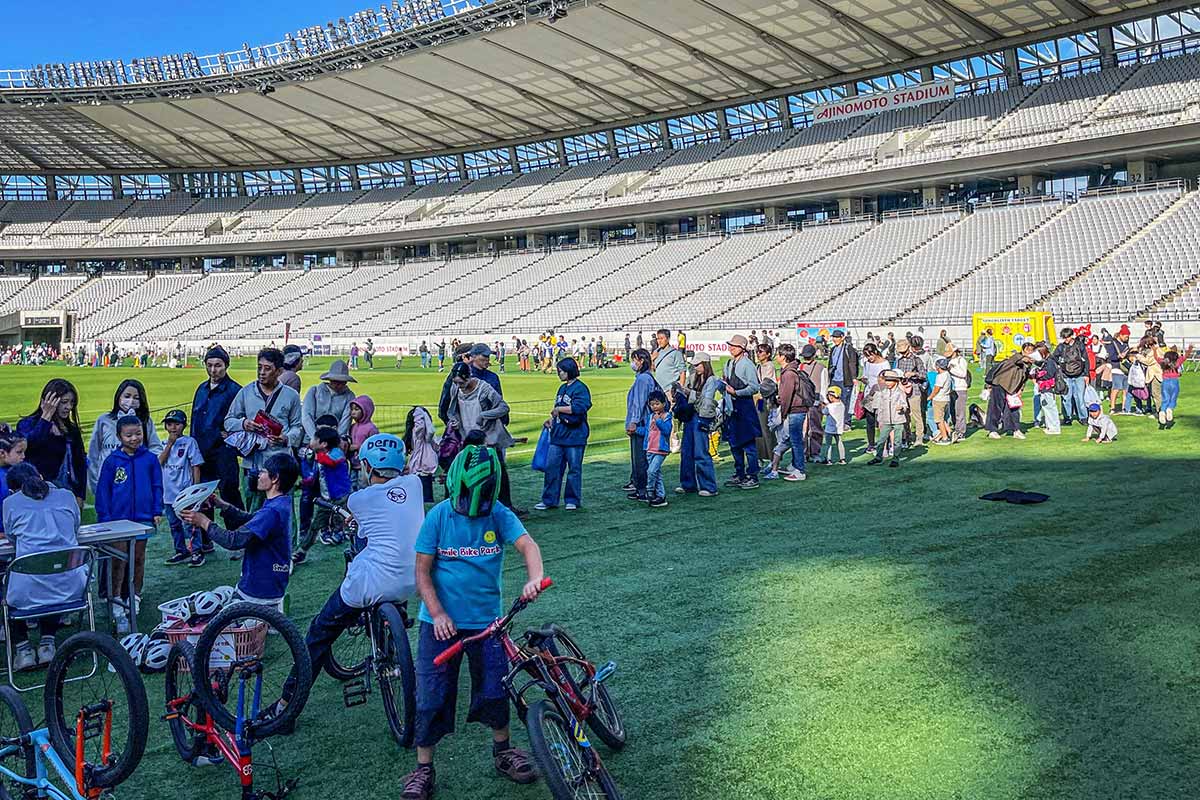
[[884, 101]]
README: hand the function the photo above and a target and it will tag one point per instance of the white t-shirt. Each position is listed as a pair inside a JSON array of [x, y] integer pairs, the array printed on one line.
[[958, 374], [389, 517], [942, 384]]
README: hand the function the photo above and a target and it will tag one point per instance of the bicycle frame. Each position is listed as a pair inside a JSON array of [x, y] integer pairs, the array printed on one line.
[[44, 753]]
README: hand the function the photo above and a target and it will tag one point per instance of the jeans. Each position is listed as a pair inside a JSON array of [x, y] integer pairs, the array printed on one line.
[[695, 463], [745, 460], [181, 534], [307, 505], [654, 479], [424, 360], [829, 441], [1073, 404], [1170, 394], [847, 398], [892, 431], [637, 463], [795, 431], [1049, 408], [569, 460]]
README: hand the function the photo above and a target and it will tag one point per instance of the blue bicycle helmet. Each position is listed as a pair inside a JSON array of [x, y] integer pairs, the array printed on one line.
[[383, 451]]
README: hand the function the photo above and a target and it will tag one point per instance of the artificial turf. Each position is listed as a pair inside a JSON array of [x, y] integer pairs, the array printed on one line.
[[869, 633]]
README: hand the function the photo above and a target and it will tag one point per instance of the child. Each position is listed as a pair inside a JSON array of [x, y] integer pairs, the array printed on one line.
[[835, 426], [1172, 363], [265, 535], [333, 477], [180, 460], [940, 397], [891, 409], [361, 429], [1102, 424], [39, 518], [656, 427], [421, 445], [460, 558], [12, 452], [130, 486]]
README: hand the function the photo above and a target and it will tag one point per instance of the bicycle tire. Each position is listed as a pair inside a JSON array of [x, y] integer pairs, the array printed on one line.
[[187, 741], [11, 700], [263, 726], [62, 730], [561, 757], [607, 725], [396, 660], [354, 642]]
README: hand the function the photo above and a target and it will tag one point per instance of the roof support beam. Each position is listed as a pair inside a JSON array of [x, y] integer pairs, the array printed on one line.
[[1078, 9], [394, 127], [23, 153], [864, 31], [237, 137], [359, 137], [451, 124], [668, 85], [724, 67], [498, 113], [204, 151], [985, 33], [599, 92], [801, 59], [303, 141]]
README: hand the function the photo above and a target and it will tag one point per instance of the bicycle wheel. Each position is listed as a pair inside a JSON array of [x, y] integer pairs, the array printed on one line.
[[349, 654], [181, 699], [605, 721], [395, 674], [14, 723], [251, 642], [563, 759], [89, 672]]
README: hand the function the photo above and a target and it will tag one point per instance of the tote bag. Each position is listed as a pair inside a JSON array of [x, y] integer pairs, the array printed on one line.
[[541, 453]]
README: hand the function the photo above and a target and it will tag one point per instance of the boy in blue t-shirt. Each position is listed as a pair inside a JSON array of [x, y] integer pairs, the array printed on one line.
[[180, 460], [265, 535], [333, 478], [460, 555]]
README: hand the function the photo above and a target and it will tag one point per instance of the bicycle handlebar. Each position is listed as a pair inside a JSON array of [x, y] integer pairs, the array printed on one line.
[[517, 607]]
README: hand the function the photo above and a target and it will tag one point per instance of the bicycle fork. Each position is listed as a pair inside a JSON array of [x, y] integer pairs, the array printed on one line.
[[245, 765], [88, 724]]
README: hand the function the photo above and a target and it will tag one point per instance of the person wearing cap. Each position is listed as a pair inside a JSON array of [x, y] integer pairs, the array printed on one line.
[[181, 460], [912, 368], [331, 397], [1004, 410], [741, 426], [480, 361], [293, 362], [210, 405], [1116, 352], [819, 375], [268, 397], [1100, 424], [843, 369], [960, 386], [890, 404], [475, 405], [940, 398], [695, 405]]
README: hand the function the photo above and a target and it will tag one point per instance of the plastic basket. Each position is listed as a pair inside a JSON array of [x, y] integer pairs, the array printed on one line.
[[248, 641]]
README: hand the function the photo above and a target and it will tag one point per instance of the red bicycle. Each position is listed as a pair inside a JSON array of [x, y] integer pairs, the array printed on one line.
[[550, 660]]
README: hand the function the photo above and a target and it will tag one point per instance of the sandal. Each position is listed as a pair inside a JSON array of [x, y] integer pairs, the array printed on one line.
[[516, 765]]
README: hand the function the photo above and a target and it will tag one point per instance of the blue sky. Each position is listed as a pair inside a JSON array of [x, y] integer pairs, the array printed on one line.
[[85, 30]]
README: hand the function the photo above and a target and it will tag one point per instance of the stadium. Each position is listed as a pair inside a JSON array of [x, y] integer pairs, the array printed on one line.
[[497, 171]]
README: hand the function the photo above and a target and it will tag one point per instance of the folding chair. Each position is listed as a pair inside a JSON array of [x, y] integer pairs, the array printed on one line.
[[47, 564]]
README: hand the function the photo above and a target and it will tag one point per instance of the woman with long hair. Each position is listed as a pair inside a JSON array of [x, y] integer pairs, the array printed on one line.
[[129, 399], [54, 443], [695, 406], [872, 368], [635, 410], [765, 364]]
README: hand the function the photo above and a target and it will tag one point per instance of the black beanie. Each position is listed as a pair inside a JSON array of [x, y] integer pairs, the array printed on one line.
[[217, 352]]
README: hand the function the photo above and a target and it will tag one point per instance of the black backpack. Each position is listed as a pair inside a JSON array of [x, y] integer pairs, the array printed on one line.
[[806, 393], [1074, 363]]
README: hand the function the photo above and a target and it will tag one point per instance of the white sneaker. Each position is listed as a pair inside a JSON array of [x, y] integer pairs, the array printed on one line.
[[1018, 435], [571, 507], [994, 435], [706, 493], [795, 475], [541, 507], [24, 658], [45, 651]]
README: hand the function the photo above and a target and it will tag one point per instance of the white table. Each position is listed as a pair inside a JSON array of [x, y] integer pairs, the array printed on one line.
[[114, 540]]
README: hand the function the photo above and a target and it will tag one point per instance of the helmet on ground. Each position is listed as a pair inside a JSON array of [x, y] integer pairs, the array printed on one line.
[[226, 593], [135, 644], [205, 604], [383, 451], [474, 480], [154, 657], [159, 634]]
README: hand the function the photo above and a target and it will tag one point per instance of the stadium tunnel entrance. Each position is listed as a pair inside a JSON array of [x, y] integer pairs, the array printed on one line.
[[51, 327]]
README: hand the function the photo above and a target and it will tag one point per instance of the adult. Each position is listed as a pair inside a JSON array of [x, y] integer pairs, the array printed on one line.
[[461, 355], [332, 396], [696, 408], [441, 348], [911, 367], [797, 397], [986, 348], [764, 362], [1116, 352], [1045, 373], [628, 349], [476, 406], [370, 353], [635, 410], [266, 397], [843, 370], [960, 385], [568, 426], [354, 355], [1149, 356], [210, 405], [1008, 381], [669, 363], [480, 361], [54, 444], [293, 362], [640, 341], [128, 400], [818, 374], [741, 426], [943, 344], [423, 350], [1071, 355]]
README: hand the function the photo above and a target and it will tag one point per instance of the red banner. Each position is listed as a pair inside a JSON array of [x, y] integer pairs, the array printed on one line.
[[808, 332]]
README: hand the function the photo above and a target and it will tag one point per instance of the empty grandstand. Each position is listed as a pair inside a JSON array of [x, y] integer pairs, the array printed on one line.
[[1040, 159]]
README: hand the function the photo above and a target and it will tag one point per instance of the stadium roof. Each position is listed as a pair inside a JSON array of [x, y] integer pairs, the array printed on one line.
[[504, 74]]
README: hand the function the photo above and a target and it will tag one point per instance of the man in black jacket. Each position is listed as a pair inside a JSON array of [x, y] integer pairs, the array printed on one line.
[[843, 369], [1072, 359], [210, 405]]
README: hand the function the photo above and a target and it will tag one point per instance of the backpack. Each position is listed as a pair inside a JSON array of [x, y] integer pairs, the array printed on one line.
[[1074, 364], [805, 395], [1137, 376]]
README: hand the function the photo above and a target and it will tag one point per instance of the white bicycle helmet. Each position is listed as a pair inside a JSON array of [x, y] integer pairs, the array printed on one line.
[[135, 644], [226, 593], [159, 634], [154, 657], [205, 604]]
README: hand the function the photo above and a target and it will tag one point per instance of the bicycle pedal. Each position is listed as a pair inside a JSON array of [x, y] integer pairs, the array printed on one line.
[[605, 672], [354, 693]]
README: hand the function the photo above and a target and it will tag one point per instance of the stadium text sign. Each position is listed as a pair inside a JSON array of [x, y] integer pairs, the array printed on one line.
[[884, 101]]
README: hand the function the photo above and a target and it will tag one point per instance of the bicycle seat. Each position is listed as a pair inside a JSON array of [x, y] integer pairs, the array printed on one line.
[[536, 636]]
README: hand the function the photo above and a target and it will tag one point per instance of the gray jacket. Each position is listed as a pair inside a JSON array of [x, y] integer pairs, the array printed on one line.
[[319, 401], [246, 405], [891, 405], [104, 441], [668, 364], [482, 409]]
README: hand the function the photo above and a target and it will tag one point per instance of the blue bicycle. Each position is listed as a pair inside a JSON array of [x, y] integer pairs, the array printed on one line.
[[97, 719]]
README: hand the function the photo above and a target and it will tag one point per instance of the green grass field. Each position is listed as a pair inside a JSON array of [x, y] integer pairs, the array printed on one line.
[[870, 633]]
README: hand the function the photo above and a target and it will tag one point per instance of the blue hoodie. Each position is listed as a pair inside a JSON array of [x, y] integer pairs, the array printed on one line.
[[130, 487], [571, 430]]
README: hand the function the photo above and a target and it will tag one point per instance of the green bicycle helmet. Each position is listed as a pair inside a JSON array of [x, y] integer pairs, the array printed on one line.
[[473, 480]]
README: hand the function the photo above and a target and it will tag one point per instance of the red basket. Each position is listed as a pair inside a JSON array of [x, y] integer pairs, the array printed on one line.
[[248, 642]]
